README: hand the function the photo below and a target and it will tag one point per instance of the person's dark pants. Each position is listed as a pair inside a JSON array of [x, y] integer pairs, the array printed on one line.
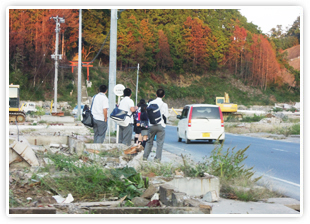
[[160, 132], [125, 134], [100, 128]]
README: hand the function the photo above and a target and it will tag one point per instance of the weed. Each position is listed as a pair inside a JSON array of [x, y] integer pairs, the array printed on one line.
[[277, 109], [40, 111], [255, 118], [41, 122], [227, 165]]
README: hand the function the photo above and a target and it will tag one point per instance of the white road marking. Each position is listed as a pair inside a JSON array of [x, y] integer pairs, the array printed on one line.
[[279, 150], [285, 181]]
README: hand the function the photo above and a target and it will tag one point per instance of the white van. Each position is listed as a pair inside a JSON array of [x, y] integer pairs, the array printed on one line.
[[201, 122]]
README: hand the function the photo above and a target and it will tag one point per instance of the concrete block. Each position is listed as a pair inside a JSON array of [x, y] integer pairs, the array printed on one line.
[[165, 193], [195, 186], [24, 150], [178, 199]]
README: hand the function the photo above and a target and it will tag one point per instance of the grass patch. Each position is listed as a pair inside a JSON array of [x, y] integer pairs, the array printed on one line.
[[93, 183], [111, 153], [292, 130], [162, 169], [255, 118]]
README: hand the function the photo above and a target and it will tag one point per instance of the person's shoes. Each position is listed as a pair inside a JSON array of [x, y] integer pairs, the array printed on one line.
[[156, 161]]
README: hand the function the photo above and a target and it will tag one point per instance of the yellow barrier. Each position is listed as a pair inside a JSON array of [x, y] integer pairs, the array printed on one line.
[[174, 111]]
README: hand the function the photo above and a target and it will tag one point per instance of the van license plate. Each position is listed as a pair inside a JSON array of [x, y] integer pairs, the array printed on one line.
[[205, 135]]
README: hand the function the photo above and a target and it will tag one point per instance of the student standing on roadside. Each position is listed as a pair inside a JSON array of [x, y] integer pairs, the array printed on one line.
[[137, 123], [100, 114], [157, 129], [127, 104]]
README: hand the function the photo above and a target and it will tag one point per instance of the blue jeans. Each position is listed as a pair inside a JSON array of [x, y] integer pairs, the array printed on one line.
[[100, 128]]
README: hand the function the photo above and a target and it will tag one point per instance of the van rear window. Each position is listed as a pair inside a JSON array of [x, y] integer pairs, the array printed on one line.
[[206, 112]]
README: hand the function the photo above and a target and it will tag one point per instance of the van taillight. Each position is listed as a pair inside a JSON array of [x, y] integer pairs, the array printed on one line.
[[222, 119], [190, 117]]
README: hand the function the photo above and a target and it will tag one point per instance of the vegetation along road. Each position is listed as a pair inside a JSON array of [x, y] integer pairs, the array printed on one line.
[[278, 161]]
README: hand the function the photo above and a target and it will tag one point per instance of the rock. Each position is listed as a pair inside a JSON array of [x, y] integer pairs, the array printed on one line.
[[150, 191], [140, 202], [47, 200], [178, 199], [211, 196]]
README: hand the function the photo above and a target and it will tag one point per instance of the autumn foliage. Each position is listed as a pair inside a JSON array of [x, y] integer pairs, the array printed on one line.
[[253, 58], [181, 41]]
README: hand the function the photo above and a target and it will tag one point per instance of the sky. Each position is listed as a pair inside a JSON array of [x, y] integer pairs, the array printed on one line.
[[269, 17]]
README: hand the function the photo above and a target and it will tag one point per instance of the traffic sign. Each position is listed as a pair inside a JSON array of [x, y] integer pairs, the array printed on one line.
[[119, 89]]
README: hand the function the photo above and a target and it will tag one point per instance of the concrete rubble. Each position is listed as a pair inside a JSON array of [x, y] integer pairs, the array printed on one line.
[[175, 195]]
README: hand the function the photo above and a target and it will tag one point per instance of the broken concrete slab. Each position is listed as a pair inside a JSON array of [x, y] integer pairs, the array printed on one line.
[[152, 210], [24, 150], [288, 202], [65, 119], [229, 206], [195, 186]]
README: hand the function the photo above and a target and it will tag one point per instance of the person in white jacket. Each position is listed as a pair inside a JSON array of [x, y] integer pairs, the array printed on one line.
[[157, 129]]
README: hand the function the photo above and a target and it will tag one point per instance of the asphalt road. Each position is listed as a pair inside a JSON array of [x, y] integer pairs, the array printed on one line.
[[278, 161]]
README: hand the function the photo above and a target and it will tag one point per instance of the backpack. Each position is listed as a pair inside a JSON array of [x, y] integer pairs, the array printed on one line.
[[119, 116], [153, 112]]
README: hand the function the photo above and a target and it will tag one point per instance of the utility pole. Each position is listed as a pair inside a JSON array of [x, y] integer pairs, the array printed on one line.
[[56, 56], [137, 85], [79, 67], [112, 65]]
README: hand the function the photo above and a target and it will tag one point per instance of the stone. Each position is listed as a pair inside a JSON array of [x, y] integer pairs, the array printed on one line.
[[211, 196], [140, 202], [150, 191]]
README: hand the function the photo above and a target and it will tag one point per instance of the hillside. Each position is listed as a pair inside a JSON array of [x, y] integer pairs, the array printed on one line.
[[293, 58]]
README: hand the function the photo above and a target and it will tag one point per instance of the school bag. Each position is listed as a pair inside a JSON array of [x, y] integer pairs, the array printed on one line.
[[119, 116], [153, 112], [88, 119]]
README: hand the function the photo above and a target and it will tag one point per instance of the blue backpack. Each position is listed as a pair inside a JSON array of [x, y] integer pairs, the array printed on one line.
[[153, 112], [119, 116]]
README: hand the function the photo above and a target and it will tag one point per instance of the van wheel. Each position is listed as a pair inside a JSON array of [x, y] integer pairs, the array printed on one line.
[[221, 141], [179, 139], [187, 141]]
